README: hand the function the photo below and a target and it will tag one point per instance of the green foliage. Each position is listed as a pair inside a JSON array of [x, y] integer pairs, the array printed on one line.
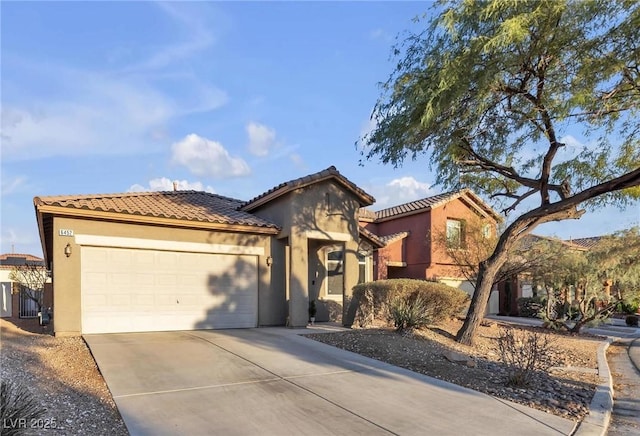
[[408, 312], [627, 307], [489, 89], [530, 307], [436, 300], [519, 100]]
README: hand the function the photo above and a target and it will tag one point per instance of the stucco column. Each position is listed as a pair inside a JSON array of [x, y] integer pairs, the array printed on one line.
[[298, 281], [351, 273]]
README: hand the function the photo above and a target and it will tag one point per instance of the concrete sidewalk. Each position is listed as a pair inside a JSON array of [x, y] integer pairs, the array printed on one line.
[[612, 413], [272, 381], [626, 407]]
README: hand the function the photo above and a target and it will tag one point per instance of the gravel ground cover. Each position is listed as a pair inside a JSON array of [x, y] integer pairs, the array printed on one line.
[[565, 390], [62, 376]]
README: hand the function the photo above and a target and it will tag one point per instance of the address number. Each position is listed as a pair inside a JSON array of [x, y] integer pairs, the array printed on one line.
[[66, 232]]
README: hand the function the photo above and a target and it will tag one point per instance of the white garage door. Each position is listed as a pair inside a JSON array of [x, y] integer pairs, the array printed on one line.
[[130, 290]]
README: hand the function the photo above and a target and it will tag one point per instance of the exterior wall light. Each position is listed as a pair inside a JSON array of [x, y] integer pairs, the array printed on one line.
[[67, 250], [269, 260]]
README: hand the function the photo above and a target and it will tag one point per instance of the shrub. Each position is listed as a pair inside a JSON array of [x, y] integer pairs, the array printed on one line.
[[524, 353], [438, 301], [631, 320], [627, 307], [16, 403], [530, 307], [408, 313]]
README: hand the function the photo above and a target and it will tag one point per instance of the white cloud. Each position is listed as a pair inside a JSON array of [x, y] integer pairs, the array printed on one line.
[[571, 141], [55, 109], [166, 184], [11, 186], [261, 138], [380, 34], [297, 161], [204, 157], [366, 129], [199, 38], [401, 190], [20, 240]]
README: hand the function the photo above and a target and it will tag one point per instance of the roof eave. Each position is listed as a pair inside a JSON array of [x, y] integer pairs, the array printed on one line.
[[145, 219], [364, 200]]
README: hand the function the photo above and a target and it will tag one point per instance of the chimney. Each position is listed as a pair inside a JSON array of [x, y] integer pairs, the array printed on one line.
[[175, 185]]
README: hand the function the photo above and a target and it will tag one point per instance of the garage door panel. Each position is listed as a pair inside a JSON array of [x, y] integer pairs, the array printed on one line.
[[177, 291]]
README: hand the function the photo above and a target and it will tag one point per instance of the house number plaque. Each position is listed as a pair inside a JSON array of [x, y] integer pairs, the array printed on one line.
[[66, 232]]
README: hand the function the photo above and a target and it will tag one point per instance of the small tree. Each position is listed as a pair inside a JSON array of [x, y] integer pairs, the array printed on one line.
[[31, 277], [574, 287], [529, 254]]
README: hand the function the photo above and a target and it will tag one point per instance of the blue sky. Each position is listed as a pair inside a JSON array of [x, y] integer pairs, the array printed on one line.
[[232, 98]]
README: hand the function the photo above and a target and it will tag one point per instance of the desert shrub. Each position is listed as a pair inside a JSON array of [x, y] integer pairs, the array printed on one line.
[[17, 405], [530, 307], [628, 307], [631, 320], [439, 301], [408, 313], [524, 353]]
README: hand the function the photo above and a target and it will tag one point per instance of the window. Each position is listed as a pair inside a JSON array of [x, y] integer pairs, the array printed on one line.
[[486, 231], [362, 268], [455, 233], [335, 273]]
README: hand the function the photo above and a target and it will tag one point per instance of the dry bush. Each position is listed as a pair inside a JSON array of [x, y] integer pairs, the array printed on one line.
[[524, 353]]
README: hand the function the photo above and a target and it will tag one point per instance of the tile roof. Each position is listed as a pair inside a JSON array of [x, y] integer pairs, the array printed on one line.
[[431, 202], [9, 260], [388, 239], [195, 206], [366, 215], [21, 255], [329, 173], [413, 206], [529, 240], [587, 243], [368, 234]]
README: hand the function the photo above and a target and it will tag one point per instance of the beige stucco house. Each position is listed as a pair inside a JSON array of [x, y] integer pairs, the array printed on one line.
[[182, 260]]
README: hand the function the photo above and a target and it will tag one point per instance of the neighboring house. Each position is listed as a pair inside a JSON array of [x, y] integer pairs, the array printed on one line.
[[18, 302], [520, 285], [154, 261], [410, 236]]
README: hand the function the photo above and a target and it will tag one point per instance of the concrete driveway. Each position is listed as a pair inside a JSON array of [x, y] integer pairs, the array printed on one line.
[[272, 381]]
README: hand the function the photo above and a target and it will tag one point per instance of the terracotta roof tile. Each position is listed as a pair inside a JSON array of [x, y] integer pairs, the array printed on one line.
[[371, 237], [21, 255], [586, 242], [9, 260], [366, 215], [413, 206], [329, 173], [435, 201], [181, 205], [528, 241], [388, 239]]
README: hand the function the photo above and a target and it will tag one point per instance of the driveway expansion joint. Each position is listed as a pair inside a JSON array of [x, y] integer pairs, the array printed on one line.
[[290, 381]]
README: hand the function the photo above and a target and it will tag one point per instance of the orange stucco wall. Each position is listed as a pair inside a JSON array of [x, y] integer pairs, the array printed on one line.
[[420, 250]]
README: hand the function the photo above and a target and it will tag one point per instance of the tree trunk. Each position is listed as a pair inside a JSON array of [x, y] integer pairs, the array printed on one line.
[[486, 276]]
